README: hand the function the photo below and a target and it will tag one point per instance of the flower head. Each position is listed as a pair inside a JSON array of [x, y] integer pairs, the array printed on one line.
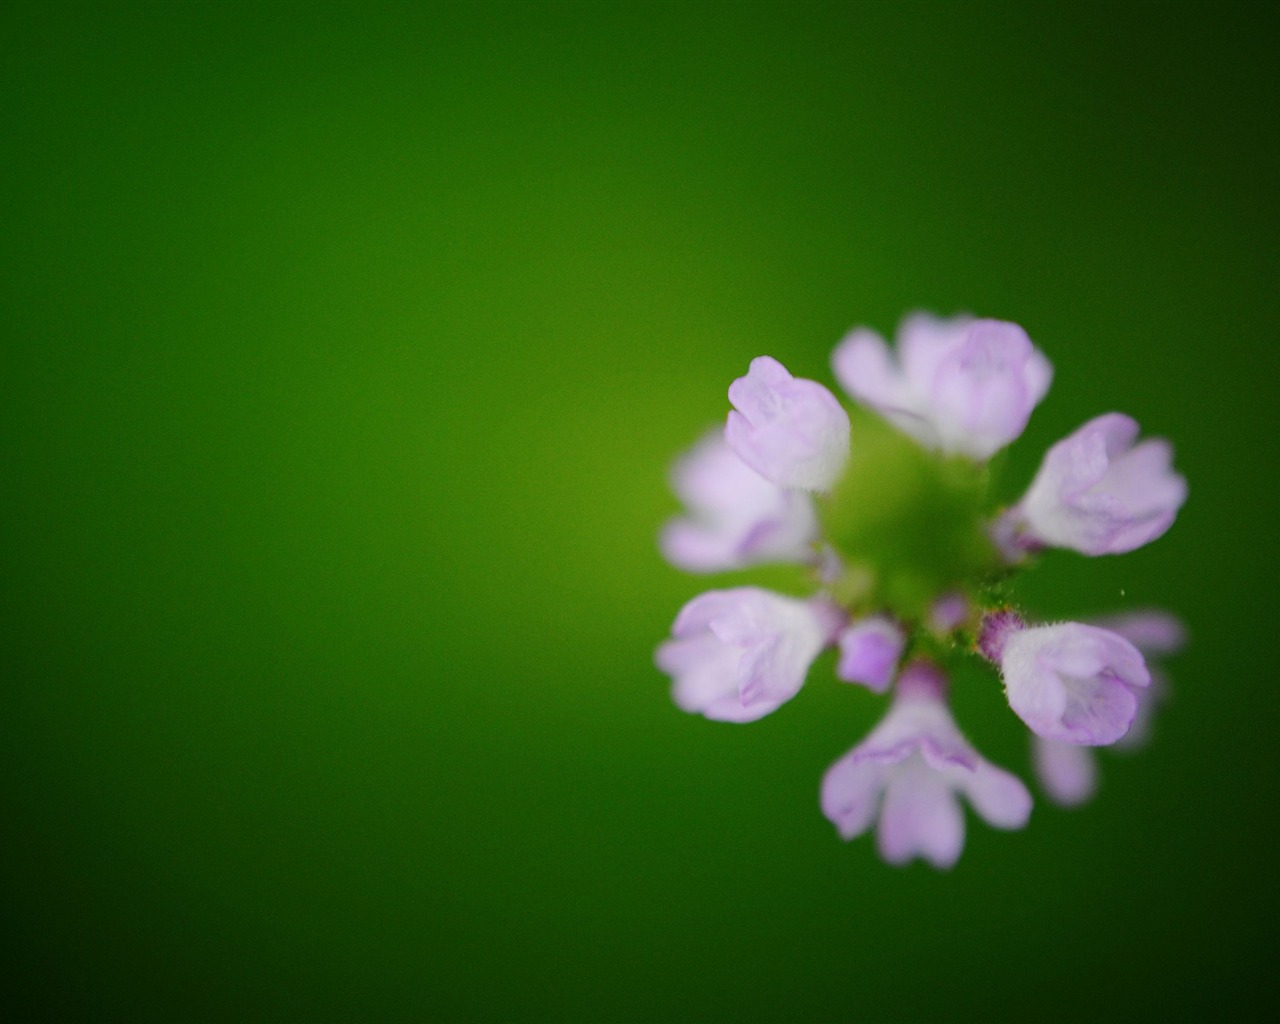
[[959, 386], [1098, 493], [736, 517], [790, 430], [737, 655], [909, 558], [909, 773]]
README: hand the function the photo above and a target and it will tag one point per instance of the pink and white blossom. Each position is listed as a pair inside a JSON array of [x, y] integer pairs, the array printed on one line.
[[959, 386], [1097, 492], [736, 518], [736, 655], [789, 430], [1069, 773], [909, 774], [1069, 681]]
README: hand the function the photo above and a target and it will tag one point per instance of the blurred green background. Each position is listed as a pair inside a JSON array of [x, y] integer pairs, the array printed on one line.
[[345, 350]]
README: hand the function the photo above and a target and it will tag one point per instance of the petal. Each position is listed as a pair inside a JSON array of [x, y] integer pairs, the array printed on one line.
[[697, 614], [869, 652], [766, 676], [1084, 458], [695, 548], [1117, 430], [1121, 659], [865, 369], [1151, 631], [736, 518], [706, 679], [1038, 698], [703, 672], [788, 534], [924, 341], [1143, 477], [948, 752], [710, 476], [778, 636], [1039, 375], [1000, 797], [1099, 713], [1152, 495], [850, 794], [920, 817], [685, 654], [1141, 532], [730, 708], [920, 715], [1148, 701], [1080, 460], [1067, 772], [963, 386], [1090, 523]]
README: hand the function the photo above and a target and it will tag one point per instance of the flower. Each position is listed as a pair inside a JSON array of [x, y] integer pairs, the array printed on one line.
[[909, 773], [1098, 493], [908, 558], [869, 652], [789, 430], [958, 386], [1069, 681], [1069, 773], [737, 655], [736, 517]]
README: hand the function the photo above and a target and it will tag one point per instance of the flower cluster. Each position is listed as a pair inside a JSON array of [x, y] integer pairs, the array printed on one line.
[[907, 567]]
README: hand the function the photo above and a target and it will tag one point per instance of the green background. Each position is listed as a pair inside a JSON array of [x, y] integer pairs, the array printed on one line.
[[344, 352]]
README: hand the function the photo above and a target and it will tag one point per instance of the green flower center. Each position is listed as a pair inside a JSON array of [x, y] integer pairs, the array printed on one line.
[[909, 525]]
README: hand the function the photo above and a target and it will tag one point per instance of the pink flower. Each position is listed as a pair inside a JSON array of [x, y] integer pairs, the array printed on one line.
[[736, 518], [1069, 773], [1098, 493], [789, 430], [736, 655], [1068, 682], [909, 773], [958, 386]]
